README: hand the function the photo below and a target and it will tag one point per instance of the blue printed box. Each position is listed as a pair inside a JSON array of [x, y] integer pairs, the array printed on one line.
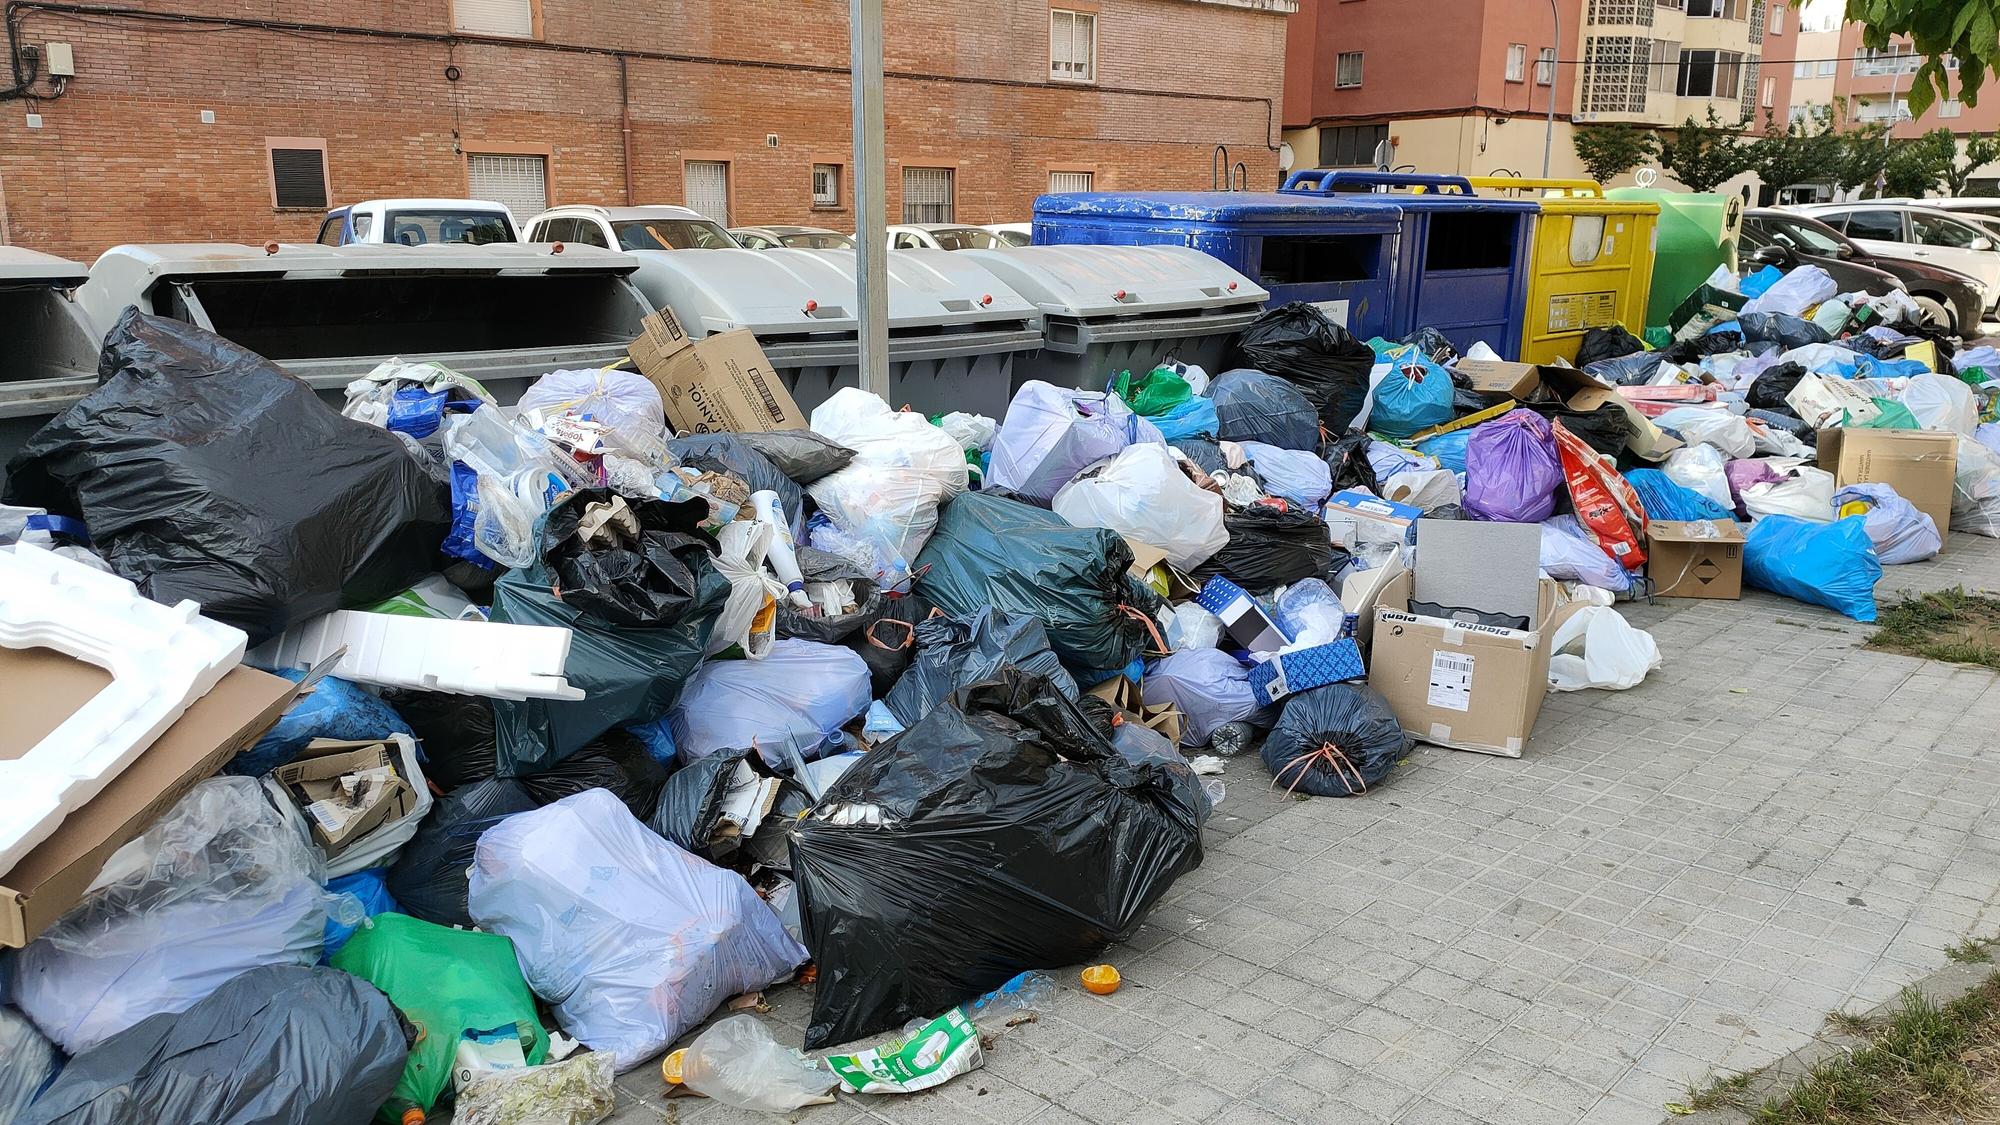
[[1245, 622], [1294, 672]]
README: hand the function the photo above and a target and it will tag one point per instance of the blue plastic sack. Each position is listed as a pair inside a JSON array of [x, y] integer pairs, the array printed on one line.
[[371, 889], [1414, 394], [1511, 471], [1830, 564], [1449, 449], [1666, 499], [1194, 417], [1757, 284], [658, 739], [1293, 474], [334, 709], [1901, 532]]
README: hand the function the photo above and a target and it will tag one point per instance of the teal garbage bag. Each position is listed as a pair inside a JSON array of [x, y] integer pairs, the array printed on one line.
[[1830, 564], [1414, 394]]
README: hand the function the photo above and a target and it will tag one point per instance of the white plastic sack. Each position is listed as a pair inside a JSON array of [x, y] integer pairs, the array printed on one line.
[[1774, 442], [1050, 434], [970, 431], [1190, 626], [1296, 475], [744, 620], [220, 885], [630, 939], [1208, 686], [794, 701], [1975, 490], [1701, 468], [1988, 435], [888, 496], [1800, 289], [626, 402], [1714, 425], [1596, 648], [1901, 532], [1941, 402], [1806, 492], [1569, 554], [1311, 614], [1429, 489], [1142, 494]]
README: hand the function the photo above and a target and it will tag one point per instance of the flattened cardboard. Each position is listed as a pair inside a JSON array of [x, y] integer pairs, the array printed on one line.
[[1500, 377], [1919, 464], [39, 688], [1683, 563], [718, 384], [314, 775], [1489, 567]]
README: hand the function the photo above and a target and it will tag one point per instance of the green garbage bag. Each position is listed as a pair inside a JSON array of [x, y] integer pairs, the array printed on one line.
[[446, 982], [1894, 416], [1156, 392]]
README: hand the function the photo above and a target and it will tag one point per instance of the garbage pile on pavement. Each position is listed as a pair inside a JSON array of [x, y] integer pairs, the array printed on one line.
[[453, 754]]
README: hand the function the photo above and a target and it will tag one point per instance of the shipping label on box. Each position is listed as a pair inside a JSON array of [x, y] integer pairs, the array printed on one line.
[[719, 384]]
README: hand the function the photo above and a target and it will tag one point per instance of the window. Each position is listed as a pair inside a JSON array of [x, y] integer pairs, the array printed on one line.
[[1072, 46], [1069, 181], [1615, 73], [363, 223], [427, 226], [1897, 59], [754, 241], [1884, 111], [521, 182], [1710, 74], [329, 231], [707, 188], [1770, 92], [1517, 62], [513, 18], [1347, 70], [1347, 146], [1827, 67], [1664, 72], [908, 242], [927, 195], [1950, 107], [1799, 69], [1545, 67], [1776, 20], [1933, 230], [298, 174], [1719, 9], [826, 185], [586, 232], [1883, 226], [671, 234], [1803, 238]]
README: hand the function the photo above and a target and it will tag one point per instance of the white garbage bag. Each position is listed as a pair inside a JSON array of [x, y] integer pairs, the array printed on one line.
[[1702, 468], [1806, 492], [792, 702], [1296, 475], [1142, 494], [1800, 289], [625, 402], [1901, 532], [1569, 554], [888, 496], [1941, 402], [1051, 433], [1429, 489], [970, 431], [1597, 648], [1975, 490], [1714, 425], [747, 619], [630, 939]]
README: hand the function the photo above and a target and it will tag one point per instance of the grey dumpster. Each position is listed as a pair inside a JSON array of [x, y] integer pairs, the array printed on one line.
[[1107, 309], [50, 356], [955, 331]]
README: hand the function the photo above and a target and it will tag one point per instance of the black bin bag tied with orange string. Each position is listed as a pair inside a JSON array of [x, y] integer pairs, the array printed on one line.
[[1339, 740]]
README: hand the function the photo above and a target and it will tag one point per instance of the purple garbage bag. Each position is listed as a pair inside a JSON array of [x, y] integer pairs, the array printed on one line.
[[1511, 470], [1744, 472]]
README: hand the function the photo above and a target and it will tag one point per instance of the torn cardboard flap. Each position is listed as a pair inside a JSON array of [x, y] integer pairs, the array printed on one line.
[[718, 384]]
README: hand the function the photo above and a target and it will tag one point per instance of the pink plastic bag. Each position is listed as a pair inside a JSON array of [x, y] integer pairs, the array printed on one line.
[[1511, 469], [1744, 472]]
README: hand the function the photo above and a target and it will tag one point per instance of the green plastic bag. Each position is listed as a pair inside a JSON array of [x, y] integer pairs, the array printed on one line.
[[1894, 416], [1159, 391], [446, 982]]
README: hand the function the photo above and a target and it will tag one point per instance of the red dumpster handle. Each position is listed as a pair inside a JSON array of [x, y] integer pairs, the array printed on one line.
[[1314, 181]]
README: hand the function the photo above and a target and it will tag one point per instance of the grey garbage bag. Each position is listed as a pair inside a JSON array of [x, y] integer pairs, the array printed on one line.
[[1209, 687], [802, 455], [284, 1043], [27, 1062]]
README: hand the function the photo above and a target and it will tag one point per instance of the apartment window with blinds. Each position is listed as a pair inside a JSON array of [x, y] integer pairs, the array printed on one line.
[[298, 174], [927, 195], [1069, 181], [1950, 107], [706, 188], [521, 182], [1770, 93], [1545, 67], [1517, 62], [1775, 22], [1072, 46], [826, 185], [1347, 70], [1350, 146], [512, 18]]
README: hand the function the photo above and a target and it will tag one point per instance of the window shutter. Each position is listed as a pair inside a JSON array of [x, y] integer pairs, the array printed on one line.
[[513, 18], [299, 174], [708, 188], [520, 182]]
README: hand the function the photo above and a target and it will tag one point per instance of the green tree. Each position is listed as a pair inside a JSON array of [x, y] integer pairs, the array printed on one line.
[[1968, 30], [1702, 154], [1610, 151], [1979, 152], [1862, 156], [1915, 166], [1804, 151]]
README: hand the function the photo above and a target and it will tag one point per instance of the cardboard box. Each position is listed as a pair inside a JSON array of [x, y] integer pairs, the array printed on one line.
[[1164, 719], [1685, 563], [1500, 377], [721, 383], [1243, 620], [1292, 672], [1354, 516], [1468, 687], [313, 781], [39, 688], [1919, 464], [1479, 567]]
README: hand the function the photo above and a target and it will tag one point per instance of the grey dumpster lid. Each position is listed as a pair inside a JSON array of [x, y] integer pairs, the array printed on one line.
[[22, 266], [1089, 282], [790, 292]]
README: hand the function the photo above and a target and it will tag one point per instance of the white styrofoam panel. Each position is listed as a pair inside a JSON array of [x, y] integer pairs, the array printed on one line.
[[428, 654]]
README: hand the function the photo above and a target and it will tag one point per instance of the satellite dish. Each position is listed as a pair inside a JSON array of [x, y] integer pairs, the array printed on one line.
[[1646, 177], [1285, 156]]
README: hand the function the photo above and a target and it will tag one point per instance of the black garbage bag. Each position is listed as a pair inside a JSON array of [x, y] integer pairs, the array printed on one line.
[[1787, 421], [1783, 329], [1432, 343], [454, 731], [1253, 406], [1347, 458], [205, 472], [888, 639], [829, 629], [1030, 562], [1270, 545], [1691, 351], [428, 877], [280, 1043], [803, 455], [1338, 740], [616, 761], [1768, 390], [1628, 370], [954, 651], [639, 614], [1300, 344], [1206, 455], [1606, 428], [689, 807], [1027, 842], [1609, 342], [729, 453]]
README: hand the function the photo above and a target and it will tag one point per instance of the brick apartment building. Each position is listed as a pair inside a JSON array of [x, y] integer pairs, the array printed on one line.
[[184, 123]]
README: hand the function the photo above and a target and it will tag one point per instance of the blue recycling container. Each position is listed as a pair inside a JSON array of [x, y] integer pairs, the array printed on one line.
[[1462, 261], [1335, 251]]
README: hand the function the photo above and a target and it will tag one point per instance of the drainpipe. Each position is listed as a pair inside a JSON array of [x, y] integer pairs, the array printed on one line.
[[625, 127]]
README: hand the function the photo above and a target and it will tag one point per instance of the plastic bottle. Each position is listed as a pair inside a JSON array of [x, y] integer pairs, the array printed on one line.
[[1231, 739], [781, 557]]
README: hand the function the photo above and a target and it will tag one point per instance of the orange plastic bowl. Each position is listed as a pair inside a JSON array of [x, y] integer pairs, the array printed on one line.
[[1102, 980]]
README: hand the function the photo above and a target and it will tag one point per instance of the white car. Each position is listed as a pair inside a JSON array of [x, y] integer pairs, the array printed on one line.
[[1919, 233], [1971, 206], [662, 227], [796, 238], [418, 222], [1015, 234], [943, 236]]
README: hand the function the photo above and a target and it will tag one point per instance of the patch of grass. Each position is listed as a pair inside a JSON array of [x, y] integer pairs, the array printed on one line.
[[1847, 1023], [1722, 1090], [1971, 951], [1949, 625]]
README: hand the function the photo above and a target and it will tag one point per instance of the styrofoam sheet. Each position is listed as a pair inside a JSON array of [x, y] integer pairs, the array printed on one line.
[[427, 654]]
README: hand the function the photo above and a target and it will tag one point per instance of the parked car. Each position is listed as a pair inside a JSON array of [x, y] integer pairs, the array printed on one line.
[[1924, 234], [1015, 234], [796, 238], [1987, 206], [943, 236], [1949, 299], [418, 222], [661, 227]]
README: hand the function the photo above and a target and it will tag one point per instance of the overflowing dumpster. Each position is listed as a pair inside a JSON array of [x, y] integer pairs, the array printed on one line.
[[50, 359], [1591, 265]]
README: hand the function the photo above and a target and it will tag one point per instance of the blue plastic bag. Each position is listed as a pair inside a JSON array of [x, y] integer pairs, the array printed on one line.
[[1758, 283], [371, 889], [1666, 499], [1195, 416], [658, 738], [1830, 564], [1449, 449], [334, 709], [1415, 394]]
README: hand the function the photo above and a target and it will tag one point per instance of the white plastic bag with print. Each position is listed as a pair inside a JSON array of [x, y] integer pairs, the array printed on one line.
[[625, 402], [1051, 433], [749, 618], [1806, 492], [1597, 648], [903, 468], [1143, 495]]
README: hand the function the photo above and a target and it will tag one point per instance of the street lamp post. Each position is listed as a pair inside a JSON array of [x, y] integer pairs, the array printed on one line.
[[870, 193], [1555, 71]]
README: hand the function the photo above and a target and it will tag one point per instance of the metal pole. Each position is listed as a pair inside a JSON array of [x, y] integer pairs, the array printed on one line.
[[871, 220], [1555, 72]]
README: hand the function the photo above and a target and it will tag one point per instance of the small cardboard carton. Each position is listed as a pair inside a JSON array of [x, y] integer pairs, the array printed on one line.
[[1289, 673], [1124, 695], [1500, 377], [1354, 516], [1478, 572], [721, 383], [1695, 558], [1919, 464], [39, 689], [1246, 623], [341, 811]]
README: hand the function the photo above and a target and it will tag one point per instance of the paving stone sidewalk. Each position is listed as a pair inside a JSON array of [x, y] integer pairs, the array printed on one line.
[[1685, 876]]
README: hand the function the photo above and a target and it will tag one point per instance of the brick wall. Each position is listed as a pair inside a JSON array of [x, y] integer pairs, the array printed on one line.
[[123, 156]]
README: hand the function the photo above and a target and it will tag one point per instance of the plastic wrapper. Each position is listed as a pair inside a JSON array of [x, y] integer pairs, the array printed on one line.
[[903, 468], [1941, 402], [1409, 393], [1299, 343], [1611, 342], [1666, 499], [1607, 509], [1569, 554], [369, 888], [738, 1063], [222, 883], [1190, 626], [1596, 648], [748, 622], [1511, 469], [1804, 491], [575, 1091], [805, 456], [1294, 475], [1702, 469], [1901, 532], [819, 570], [1022, 560], [1209, 687], [503, 478], [1142, 494], [1272, 545], [1744, 473], [27, 1062], [1717, 427], [1253, 406], [625, 402], [730, 453], [953, 652], [279, 1043], [631, 940], [1037, 843], [1787, 422], [1050, 434], [205, 472], [792, 702], [1310, 613], [970, 431], [1800, 289], [428, 878], [411, 398], [1337, 740], [1829, 564], [1975, 490]]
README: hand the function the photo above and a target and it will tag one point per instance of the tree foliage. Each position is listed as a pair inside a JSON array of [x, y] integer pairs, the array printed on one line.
[[1862, 156], [1804, 151], [1702, 154], [1932, 163], [1610, 151], [1979, 151], [1968, 30]]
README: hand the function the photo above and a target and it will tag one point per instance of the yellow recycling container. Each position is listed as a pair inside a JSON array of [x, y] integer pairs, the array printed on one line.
[[1592, 266]]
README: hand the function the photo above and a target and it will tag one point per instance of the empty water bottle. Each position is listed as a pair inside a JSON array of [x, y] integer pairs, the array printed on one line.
[[1231, 739]]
